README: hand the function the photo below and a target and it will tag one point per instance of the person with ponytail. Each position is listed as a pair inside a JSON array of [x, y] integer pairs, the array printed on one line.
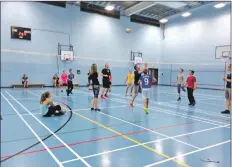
[[48, 108]]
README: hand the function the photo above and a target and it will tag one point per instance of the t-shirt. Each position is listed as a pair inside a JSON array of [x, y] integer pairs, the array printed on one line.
[[24, 78], [94, 78], [180, 78], [190, 81], [64, 78], [228, 84], [146, 81], [136, 77], [70, 77], [130, 78], [56, 78], [106, 72]]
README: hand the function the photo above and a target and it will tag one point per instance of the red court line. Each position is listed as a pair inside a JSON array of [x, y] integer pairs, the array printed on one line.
[[103, 138]]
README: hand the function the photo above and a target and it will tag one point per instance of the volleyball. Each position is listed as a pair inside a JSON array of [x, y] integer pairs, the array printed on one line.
[[128, 30]]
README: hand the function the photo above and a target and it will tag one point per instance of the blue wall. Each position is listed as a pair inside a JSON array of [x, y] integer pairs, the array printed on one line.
[[193, 40], [92, 35]]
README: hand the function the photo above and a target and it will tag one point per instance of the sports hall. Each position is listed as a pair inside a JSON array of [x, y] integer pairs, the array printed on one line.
[[174, 58]]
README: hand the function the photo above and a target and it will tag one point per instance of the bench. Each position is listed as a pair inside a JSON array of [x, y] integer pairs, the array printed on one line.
[[31, 85]]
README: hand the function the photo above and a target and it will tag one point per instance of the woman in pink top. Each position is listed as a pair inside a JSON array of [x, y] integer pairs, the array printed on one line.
[[64, 78]]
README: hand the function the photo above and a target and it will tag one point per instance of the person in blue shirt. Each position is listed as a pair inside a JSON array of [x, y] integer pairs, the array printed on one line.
[[47, 106], [70, 82], [146, 81]]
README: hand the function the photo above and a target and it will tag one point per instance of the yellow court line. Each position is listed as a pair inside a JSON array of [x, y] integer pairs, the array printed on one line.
[[135, 141]]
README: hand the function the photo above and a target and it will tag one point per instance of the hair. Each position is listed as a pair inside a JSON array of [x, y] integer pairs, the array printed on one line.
[[44, 96], [70, 70], [182, 69], [93, 68], [145, 71], [191, 71]]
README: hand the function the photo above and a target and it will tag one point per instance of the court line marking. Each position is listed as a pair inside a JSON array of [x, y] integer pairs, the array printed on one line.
[[45, 146], [166, 111], [181, 107], [103, 138], [132, 140], [136, 145], [70, 149], [182, 155], [150, 130]]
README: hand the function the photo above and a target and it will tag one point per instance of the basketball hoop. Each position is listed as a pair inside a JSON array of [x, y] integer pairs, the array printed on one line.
[[224, 58]]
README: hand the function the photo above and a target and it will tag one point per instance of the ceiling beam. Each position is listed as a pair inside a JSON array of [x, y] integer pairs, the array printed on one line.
[[138, 8]]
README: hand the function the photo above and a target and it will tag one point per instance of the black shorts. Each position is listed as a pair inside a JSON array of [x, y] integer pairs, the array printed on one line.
[[96, 90], [106, 84]]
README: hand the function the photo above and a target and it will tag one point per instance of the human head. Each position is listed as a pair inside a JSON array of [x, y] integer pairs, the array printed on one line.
[[107, 66], [191, 72], [94, 68], [137, 67], [229, 68], [56, 75], [145, 71], [44, 96], [64, 72], [130, 71], [181, 70], [70, 71]]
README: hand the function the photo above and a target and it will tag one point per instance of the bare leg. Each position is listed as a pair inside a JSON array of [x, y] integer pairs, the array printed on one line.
[[228, 104], [126, 89], [131, 90]]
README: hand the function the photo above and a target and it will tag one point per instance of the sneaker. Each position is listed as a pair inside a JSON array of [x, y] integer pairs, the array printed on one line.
[[71, 92], [146, 110], [226, 112], [97, 109], [190, 104], [67, 92], [102, 97], [106, 96], [179, 99], [193, 103], [92, 109], [131, 104]]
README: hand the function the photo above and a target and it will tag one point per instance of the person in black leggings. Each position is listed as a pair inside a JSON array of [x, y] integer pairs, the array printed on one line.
[[70, 82], [47, 106], [96, 86]]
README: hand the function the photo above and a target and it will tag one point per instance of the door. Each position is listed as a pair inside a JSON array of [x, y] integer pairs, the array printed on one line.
[[154, 72]]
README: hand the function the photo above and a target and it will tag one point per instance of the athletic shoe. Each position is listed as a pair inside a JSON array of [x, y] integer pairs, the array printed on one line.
[[67, 92], [190, 104], [97, 109], [71, 92], [193, 103], [92, 109], [102, 97], [226, 112], [146, 110], [179, 99], [106, 96], [61, 90], [131, 104]]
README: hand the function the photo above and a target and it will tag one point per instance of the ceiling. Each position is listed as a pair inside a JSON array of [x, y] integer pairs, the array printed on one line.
[[156, 10]]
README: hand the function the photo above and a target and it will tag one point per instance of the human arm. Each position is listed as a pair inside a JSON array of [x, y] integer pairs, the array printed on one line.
[[227, 80], [145, 67]]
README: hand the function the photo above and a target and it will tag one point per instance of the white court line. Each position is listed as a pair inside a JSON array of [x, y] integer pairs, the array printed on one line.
[[188, 109], [70, 149], [182, 155], [149, 130], [136, 145], [177, 114], [152, 107], [182, 107], [45, 146], [169, 112]]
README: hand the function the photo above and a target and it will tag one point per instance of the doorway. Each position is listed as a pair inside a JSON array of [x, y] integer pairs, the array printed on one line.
[[155, 73]]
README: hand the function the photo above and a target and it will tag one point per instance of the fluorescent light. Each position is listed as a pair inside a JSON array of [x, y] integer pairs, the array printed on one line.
[[109, 7], [219, 5], [163, 20], [186, 14]]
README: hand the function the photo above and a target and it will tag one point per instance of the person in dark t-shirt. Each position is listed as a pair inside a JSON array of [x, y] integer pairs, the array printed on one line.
[[56, 81], [106, 77], [95, 86], [70, 82], [25, 81], [228, 90], [137, 76]]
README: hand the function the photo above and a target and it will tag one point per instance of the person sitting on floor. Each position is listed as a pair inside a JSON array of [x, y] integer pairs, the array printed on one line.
[[48, 108], [25, 81], [56, 81]]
